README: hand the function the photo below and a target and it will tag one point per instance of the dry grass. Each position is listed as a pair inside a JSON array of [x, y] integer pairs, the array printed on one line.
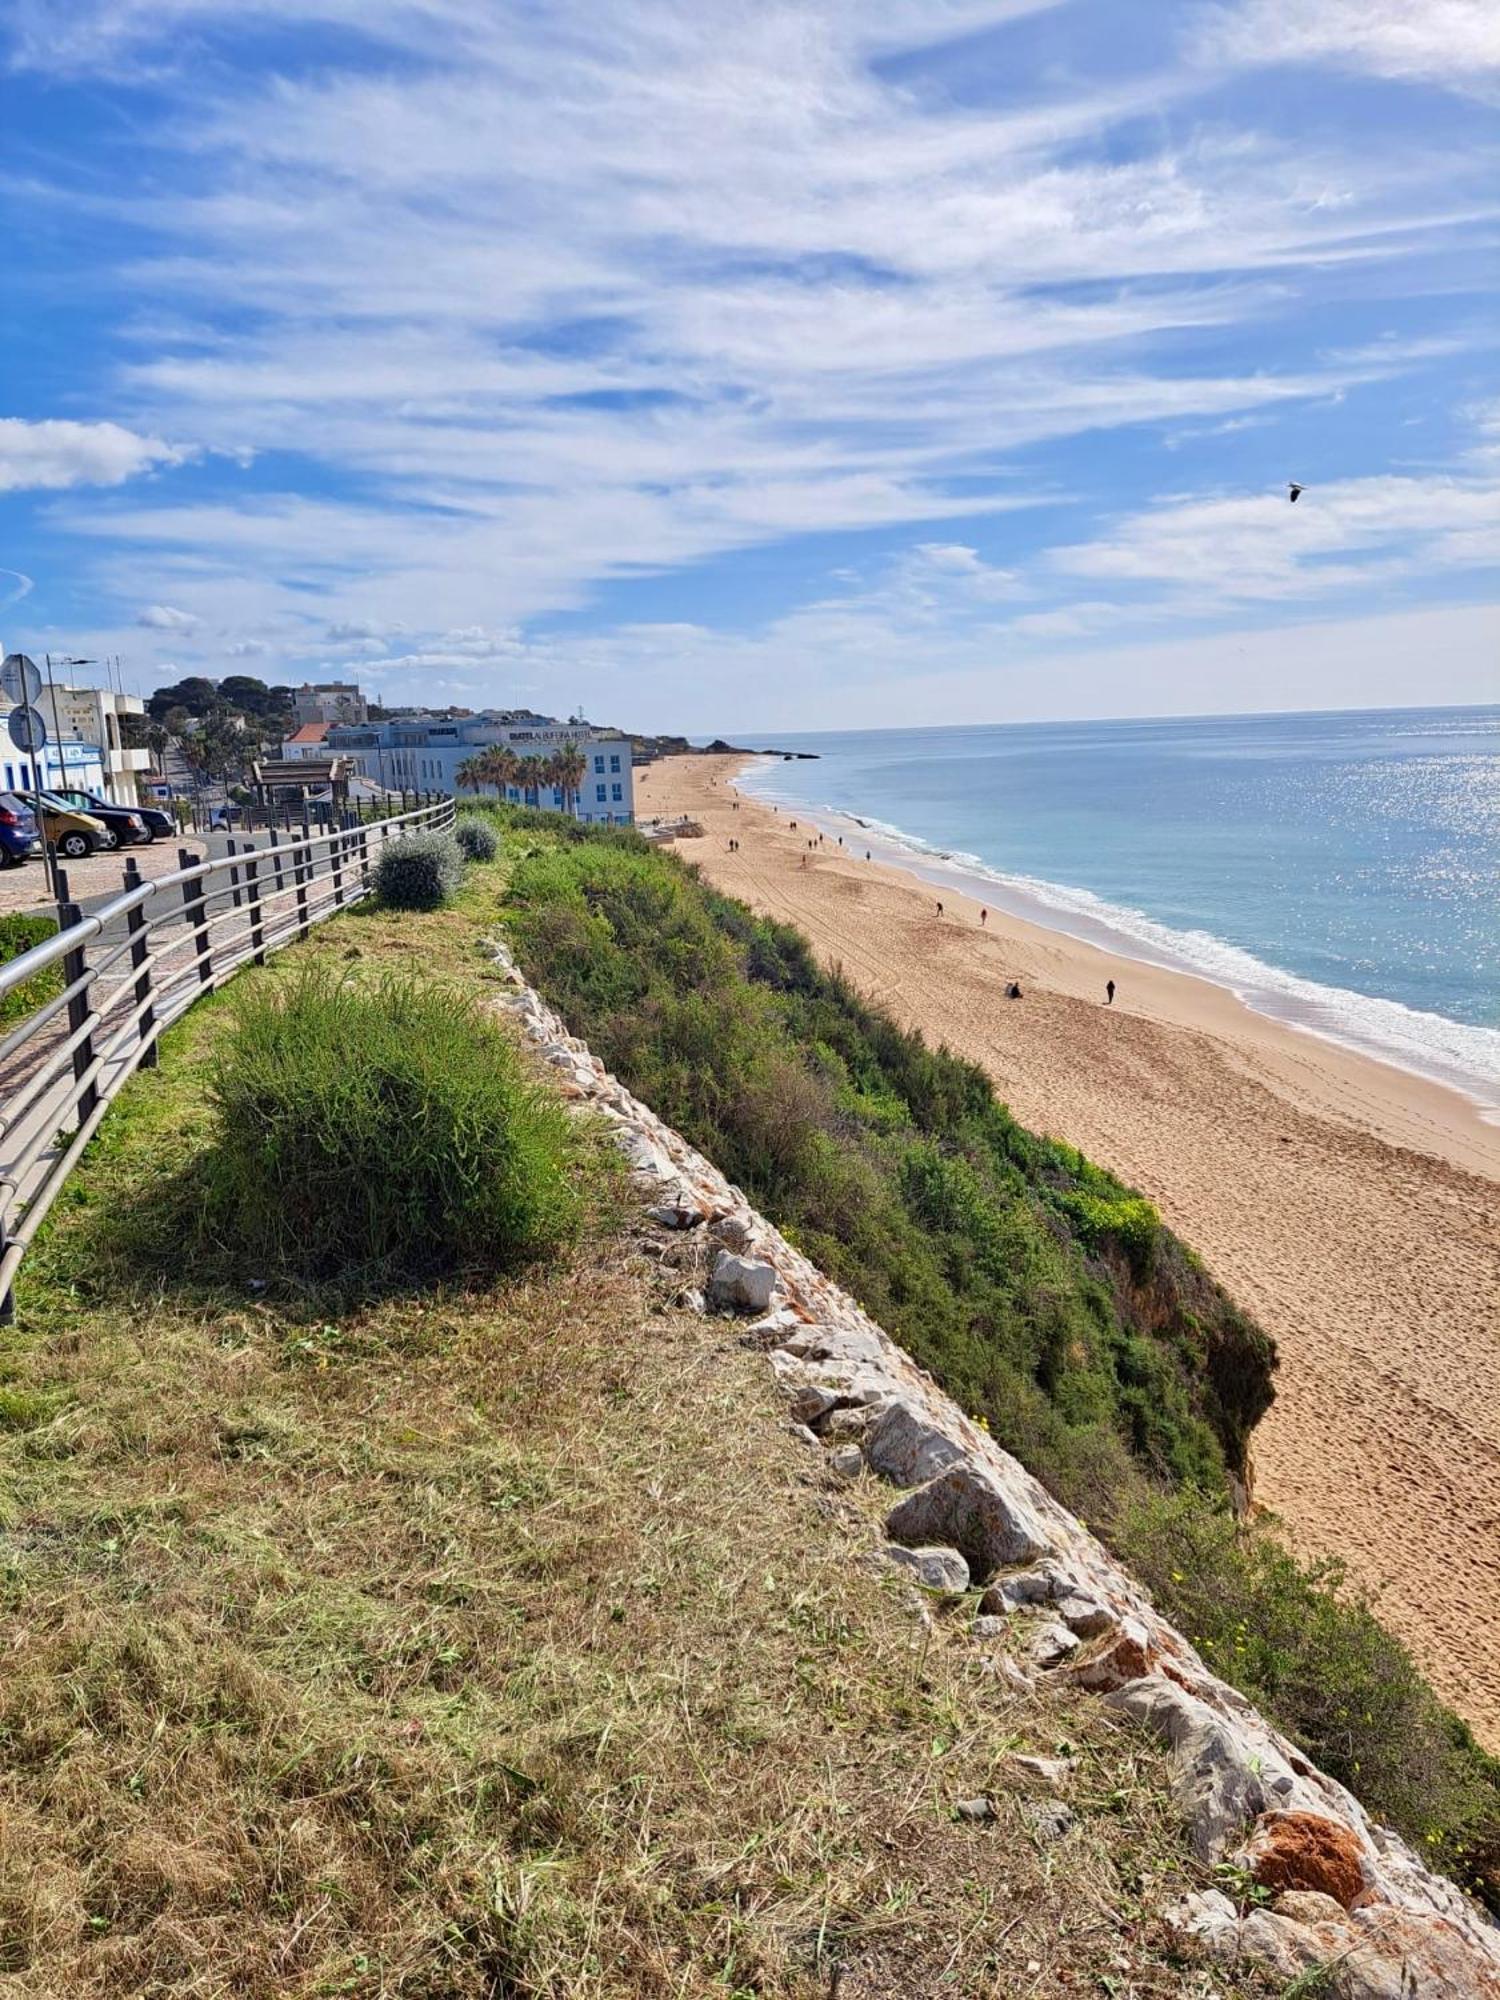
[[496, 1645]]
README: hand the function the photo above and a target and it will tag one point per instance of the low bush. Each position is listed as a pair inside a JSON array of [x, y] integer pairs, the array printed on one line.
[[1312, 1654], [476, 837], [419, 872], [18, 934], [378, 1135]]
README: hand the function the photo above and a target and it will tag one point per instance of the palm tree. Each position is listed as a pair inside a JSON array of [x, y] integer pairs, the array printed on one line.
[[471, 775], [499, 766], [571, 766]]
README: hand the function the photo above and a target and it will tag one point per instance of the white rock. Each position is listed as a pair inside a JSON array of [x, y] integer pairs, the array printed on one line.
[[741, 1284], [1051, 1770], [966, 1507], [905, 1447], [934, 1568], [1050, 1643], [847, 1460]]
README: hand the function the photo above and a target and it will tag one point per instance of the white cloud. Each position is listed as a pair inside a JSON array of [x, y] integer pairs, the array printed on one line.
[[1452, 42], [54, 453], [1349, 534], [586, 296], [167, 618]]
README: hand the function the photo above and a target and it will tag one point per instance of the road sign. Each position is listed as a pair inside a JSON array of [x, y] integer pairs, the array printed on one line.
[[27, 729], [20, 680]]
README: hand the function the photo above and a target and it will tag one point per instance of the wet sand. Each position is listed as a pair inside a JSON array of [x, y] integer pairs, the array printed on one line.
[[1353, 1208]]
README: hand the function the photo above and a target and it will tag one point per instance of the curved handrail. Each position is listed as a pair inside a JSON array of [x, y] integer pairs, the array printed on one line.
[[40, 956]]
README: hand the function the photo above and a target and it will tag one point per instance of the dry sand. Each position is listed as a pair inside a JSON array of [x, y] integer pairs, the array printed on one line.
[[1353, 1208]]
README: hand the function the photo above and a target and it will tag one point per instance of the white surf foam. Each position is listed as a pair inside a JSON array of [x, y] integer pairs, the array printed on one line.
[[1465, 1057]]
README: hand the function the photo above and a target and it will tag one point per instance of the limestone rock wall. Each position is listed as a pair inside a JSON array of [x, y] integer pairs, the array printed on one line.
[[1348, 1893]]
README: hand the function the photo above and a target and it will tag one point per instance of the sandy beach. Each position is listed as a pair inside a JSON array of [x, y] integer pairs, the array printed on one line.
[[1353, 1208]]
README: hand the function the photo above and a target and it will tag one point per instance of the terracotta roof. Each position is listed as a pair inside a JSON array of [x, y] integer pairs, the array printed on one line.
[[310, 732]]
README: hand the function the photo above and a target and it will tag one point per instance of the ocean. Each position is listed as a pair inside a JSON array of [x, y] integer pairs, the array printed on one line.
[[1338, 871]]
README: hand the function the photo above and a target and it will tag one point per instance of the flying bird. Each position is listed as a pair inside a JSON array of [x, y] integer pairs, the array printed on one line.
[[1294, 490]]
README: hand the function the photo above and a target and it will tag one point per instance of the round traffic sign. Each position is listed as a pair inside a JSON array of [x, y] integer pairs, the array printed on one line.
[[27, 729], [20, 680]]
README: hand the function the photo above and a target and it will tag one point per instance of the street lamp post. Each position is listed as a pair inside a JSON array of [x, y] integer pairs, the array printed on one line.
[[62, 755]]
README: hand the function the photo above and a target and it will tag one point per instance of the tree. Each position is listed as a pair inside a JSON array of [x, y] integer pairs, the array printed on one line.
[[472, 775], [195, 694], [572, 766]]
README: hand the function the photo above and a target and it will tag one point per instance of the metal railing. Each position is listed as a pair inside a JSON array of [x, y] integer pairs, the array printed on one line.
[[133, 964]]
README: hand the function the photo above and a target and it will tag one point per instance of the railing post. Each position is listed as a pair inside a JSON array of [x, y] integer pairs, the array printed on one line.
[[336, 857], [234, 875], [364, 857], [299, 876], [80, 1005], [196, 910], [257, 929], [135, 923], [276, 858]]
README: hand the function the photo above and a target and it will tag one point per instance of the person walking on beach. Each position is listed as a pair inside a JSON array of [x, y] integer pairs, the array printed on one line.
[[1109, 989], [984, 916], [940, 909]]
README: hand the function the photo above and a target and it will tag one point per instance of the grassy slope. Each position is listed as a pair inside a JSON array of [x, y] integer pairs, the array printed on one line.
[[497, 1644]]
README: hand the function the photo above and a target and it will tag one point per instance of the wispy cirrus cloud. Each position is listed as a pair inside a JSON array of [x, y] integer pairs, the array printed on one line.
[[1455, 43], [517, 306]]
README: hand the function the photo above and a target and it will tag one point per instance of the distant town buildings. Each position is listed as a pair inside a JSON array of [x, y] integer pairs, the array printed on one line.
[[85, 745], [329, 701], [308, 742], [428, 752]]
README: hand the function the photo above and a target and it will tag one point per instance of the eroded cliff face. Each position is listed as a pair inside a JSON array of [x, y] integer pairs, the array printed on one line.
[[1346, 1894]]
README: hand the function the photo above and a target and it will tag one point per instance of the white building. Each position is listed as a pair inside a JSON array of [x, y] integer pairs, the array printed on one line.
[[425, 753], [329, 701], [85, 744]]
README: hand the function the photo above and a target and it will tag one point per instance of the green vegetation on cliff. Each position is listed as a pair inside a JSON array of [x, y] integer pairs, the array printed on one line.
[[1045, 1295], [1042, 1293]]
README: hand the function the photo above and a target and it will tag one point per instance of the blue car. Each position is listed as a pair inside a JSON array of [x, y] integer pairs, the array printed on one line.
[[19, 839]]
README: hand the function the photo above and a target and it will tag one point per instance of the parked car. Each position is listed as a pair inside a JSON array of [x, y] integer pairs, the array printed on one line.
[[153, 820], [72, 833], [19, 839], [117, 826]]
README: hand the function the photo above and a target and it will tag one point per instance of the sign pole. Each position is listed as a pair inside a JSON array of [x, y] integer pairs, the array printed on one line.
[[21, 684]]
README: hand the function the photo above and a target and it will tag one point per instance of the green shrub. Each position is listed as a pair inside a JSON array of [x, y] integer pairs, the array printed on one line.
[[476, 837], [18, 934], [419, 872], [377, 1135], [1312, 1654], [1046, 1296]]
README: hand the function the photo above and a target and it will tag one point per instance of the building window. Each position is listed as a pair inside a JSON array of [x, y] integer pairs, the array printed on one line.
[[599, 765], [599, 793], [617, 792], [614, 765]]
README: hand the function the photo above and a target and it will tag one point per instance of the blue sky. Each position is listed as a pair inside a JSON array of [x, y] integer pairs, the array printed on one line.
[[740, 368]]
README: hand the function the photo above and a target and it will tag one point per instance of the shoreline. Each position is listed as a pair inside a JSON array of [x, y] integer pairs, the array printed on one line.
[[1352, 1205], [1290, 999]]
